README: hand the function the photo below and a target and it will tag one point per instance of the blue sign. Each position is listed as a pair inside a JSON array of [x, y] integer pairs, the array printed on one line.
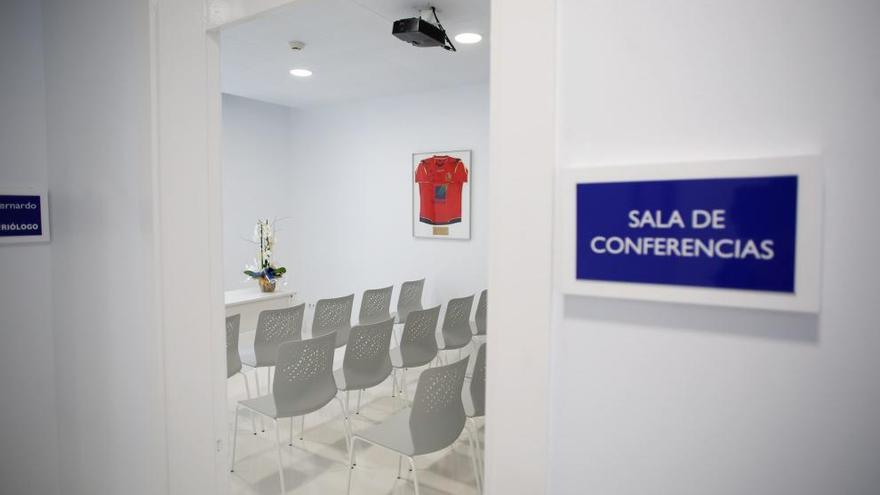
[[21, 216], [730, 233]]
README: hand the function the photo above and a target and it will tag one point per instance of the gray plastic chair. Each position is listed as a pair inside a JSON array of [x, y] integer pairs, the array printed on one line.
[[366, 362], [418, 344], [303, 384], [375, 305], [410, 298], [233, 357], [274, 327], [481, 313], [456, 332], [333, 315], [434, 422], [474, 399]]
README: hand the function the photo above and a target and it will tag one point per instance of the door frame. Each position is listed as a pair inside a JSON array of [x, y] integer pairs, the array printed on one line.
[[187, 205]]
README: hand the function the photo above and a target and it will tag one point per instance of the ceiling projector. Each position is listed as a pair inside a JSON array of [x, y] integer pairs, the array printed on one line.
[[421, 32]]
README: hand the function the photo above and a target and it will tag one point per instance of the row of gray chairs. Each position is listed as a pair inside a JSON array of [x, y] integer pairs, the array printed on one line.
[[367, 361], [305, 382], [331, 316]]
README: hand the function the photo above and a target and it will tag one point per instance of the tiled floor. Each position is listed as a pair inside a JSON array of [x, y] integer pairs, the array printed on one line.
[[317, 464]]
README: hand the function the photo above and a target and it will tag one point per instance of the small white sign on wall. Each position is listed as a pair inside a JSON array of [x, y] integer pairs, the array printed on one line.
[[743, 233], [24, 215]]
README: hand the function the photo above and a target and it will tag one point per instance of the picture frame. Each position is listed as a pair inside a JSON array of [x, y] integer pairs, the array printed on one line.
[[441, 194]]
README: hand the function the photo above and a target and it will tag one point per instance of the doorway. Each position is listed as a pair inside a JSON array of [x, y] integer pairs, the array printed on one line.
[[326, 121]]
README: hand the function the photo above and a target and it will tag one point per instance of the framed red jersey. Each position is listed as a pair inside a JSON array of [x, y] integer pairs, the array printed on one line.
[[441, 194]]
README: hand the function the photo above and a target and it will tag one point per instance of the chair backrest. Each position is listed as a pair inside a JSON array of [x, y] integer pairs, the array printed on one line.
[[367, 350], [478, 383], [410, 298], [480, 315], [304, 376], [333, 315], [233, 358], [375, 305], [421, 327], [275, 326], [438, 417], [456, 321]]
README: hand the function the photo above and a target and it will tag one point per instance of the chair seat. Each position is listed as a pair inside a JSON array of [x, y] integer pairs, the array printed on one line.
[[264, 405], [305, 404], [411, 356], [259, 356], [354, 380], [248, 356], [393, 433], [468, 403], [456, 340], [369, 320]]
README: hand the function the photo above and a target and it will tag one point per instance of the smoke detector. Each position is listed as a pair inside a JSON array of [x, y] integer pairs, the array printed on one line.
[[296, 45]]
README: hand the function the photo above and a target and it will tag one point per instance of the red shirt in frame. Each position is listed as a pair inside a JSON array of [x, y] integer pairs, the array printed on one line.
[[441, 179]]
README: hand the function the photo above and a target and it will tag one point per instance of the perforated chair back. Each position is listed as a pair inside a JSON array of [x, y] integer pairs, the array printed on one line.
[[233, 358], [418, 344], [482, 309], [375, 305], [456, 323], [410, 298], [304, 376], [478, 384], [367, 362], [333, 316], [275, 326], [438, 417]]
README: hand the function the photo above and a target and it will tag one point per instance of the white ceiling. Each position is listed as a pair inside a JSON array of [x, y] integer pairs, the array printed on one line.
[[350, 49]]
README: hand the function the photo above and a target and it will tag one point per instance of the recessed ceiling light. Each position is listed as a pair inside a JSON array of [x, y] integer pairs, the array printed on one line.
[[300, 72], [468, 38]]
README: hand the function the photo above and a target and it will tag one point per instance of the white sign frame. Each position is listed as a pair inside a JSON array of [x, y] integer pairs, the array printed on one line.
[[806, 297], [45, 236]]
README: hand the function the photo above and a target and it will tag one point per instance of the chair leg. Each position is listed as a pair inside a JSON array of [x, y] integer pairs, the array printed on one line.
[[393, 381], [403, 390], [350, 466], [474, 461], [412, 465], [247, 389], [358, 410], [291, 432], [280, 464], [346, 423], [472, 423], [302, 427], [257, 378], [234, 439], [268, 379], [399, 465]]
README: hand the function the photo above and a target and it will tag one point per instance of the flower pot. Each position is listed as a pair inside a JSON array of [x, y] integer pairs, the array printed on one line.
[[267, 285]]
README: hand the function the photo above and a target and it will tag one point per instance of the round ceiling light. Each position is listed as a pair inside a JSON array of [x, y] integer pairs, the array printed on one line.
[[300, 72], [468, 38]]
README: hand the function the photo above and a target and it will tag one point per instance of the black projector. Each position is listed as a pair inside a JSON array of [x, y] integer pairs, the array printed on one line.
[[419, 32]]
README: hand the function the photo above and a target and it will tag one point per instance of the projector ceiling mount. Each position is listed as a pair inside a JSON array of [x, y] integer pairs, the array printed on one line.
[[423, 32]]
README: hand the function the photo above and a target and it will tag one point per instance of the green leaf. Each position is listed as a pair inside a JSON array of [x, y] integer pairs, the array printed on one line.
[[251, 274], [280, 271]]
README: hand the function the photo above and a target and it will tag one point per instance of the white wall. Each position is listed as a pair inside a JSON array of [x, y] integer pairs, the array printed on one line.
[[107, 362], [660, 398], [257, 156], [28, 432], [347, 191]]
